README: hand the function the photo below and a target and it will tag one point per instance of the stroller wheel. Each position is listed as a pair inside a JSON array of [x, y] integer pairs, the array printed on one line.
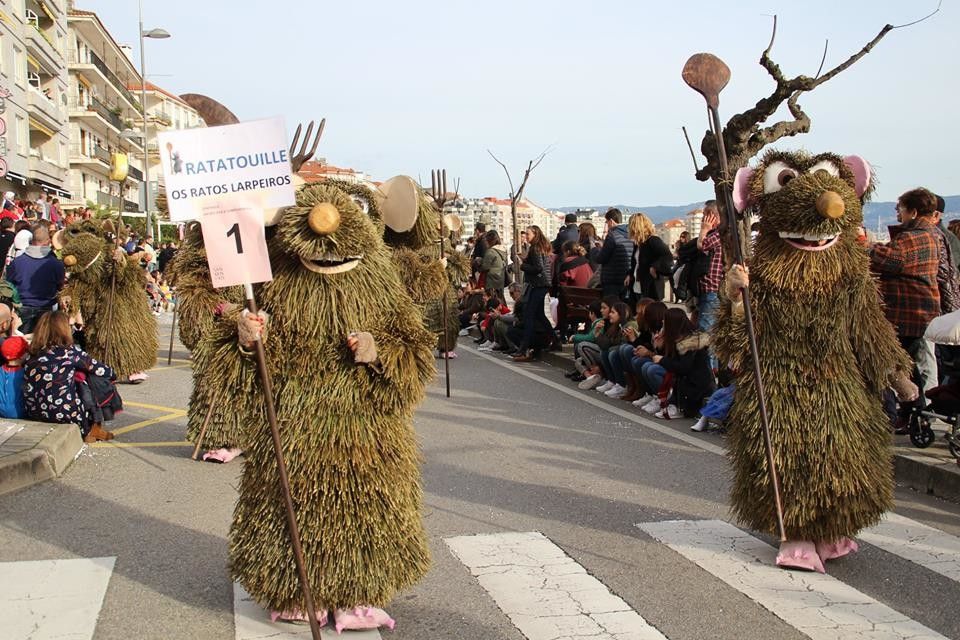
[[954, 447], [921, 435]]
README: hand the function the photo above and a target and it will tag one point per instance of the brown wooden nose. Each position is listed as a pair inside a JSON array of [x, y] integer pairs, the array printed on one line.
[[324, 219], [69, 260], [830, 205]]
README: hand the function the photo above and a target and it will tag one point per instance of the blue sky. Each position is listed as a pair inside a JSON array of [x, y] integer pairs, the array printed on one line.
[[414, 85]]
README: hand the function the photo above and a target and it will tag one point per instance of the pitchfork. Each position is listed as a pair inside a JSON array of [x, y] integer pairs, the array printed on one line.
[[298, 158]]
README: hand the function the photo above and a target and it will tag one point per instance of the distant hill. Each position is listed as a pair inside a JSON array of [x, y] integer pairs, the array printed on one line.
[[661, 213]]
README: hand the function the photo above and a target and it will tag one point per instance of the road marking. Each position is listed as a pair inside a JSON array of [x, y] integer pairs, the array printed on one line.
[[47, 599], [128, 445], [252, 622], [585, 397], [918, 543], [544, 592], [163, 357], [147, 423], [168, 368], [816, 604], [156, 407]]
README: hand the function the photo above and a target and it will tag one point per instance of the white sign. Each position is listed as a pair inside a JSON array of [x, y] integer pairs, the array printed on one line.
[[202, 166], [236, 245]]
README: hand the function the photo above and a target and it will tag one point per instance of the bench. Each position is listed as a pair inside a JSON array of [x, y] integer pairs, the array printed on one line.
[[572, 307]]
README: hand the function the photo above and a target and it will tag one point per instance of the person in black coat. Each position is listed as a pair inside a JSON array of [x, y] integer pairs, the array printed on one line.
[[651, 261], [536, 274], [616, 255], [569, 231]]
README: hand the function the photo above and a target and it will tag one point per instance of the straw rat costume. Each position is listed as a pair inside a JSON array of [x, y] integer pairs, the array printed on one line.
[[346, 417], [826, 353], [119, 329], [413, 241], [198, 303]]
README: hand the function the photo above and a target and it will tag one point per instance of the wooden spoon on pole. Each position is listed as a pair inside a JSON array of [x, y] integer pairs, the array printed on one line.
[[708, 75]]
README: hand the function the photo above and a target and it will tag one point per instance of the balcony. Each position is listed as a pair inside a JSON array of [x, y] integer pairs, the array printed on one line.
[[46, 170], [45, 110], [136, 174], [95, 61], [129, 206], [42, 48], [108, 114], [100, 158]]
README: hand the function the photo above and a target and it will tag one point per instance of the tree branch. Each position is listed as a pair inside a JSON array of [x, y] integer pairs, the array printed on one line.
[[509, 179]]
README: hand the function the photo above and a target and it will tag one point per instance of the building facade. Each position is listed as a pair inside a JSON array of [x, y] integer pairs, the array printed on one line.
[[104, 116], [34, 136]]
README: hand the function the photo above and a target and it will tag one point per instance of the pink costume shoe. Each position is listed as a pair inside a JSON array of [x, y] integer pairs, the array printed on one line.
[[838, 549], [362, 618], [799, 554], [222, 456], [297, 616]]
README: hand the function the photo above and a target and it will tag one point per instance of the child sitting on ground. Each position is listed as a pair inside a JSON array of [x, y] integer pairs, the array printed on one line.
[[13, 350]]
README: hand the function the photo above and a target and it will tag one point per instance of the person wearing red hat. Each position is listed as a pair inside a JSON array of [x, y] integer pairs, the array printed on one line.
[[13, 350]]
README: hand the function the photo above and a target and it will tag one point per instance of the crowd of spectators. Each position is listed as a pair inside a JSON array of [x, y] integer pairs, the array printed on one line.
[[640, 347], [45, 374]]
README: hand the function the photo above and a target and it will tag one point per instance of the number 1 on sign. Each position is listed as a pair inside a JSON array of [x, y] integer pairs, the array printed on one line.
[[235, 232]]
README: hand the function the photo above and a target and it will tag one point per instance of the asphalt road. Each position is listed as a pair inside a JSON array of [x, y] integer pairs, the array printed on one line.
[[515, 449]]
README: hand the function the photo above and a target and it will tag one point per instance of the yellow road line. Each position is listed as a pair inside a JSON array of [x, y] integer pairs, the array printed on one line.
[[127, 445], [166, 368], [147, 423], [163, 357], [157, 407]]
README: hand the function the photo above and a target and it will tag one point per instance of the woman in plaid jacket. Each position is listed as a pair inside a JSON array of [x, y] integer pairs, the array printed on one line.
[[907, 267]]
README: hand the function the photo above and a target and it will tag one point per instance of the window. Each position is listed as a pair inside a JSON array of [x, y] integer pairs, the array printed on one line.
[[19, 66], [32, 18], [23, 135], [33, 79]]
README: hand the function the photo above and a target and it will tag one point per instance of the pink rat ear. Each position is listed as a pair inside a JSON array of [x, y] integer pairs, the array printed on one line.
[[862, 173], [741, 188]]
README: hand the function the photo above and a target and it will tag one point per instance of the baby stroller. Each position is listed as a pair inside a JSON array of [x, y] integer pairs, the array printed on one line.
[[944, 400]]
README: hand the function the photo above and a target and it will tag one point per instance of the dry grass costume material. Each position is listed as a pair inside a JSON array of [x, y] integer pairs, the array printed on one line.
[[122, 333], [347, 428], [826, 351], [197, 300]]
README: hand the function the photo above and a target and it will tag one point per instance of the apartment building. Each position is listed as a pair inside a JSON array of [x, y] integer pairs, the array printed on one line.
[[33, 98], [165, 111], [103, 116]]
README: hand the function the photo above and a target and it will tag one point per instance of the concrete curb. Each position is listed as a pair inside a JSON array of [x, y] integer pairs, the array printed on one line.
[[926, 472], [40, 451]]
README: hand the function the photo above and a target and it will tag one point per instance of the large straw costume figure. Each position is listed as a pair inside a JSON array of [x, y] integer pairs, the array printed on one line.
[[826, 352], [345, 421], [213, 384], [108, 287], [414, 245]]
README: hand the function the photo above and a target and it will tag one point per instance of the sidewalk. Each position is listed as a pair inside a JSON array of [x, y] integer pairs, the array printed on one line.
[[932, 470], [31, 452]]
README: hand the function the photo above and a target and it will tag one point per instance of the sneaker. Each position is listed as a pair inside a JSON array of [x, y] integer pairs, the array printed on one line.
[[615, 391], [700, 425], [640, 402], [590, 382], [464, 332], [606, 386], [485, 347], [485, 344], [652, 407], [669, 413]]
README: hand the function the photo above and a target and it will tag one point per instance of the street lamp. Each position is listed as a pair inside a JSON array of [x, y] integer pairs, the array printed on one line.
[[159, 34]]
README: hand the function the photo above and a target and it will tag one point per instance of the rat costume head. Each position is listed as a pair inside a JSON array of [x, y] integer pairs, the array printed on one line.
[[810, 213], [84, 248]]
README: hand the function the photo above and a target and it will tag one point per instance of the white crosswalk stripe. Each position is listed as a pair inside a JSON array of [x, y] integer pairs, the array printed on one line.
[[918, 543], [252, 622], [544, 592], [818, 605], [52, 599]]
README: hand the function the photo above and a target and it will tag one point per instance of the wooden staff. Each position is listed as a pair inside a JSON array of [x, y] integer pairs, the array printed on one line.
[[708, 75], [292, 526], [173, 329], [438, 188], [203, 432]]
